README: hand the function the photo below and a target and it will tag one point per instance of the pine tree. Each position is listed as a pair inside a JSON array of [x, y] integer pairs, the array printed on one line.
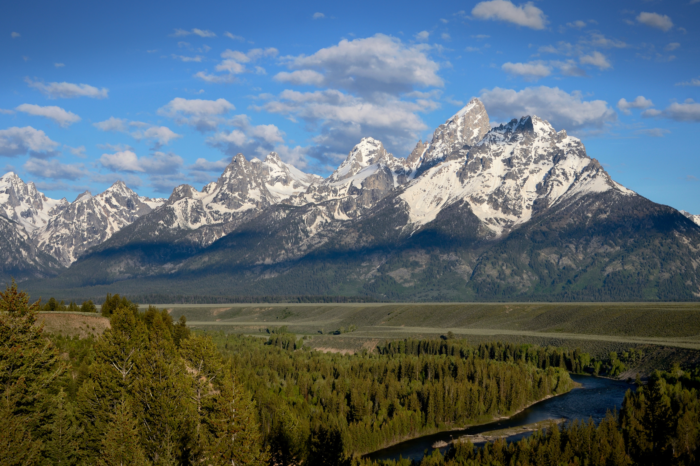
[[120, 445], [17, 447], [62, 446], [26, 356]]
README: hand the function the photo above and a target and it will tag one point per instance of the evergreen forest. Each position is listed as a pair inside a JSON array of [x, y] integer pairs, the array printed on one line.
[[149, 391]]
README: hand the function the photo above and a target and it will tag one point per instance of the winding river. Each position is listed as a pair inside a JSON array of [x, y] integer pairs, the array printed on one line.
[[592, 400]]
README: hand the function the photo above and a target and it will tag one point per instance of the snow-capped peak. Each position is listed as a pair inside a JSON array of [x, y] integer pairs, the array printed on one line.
[[694, 218], [368, 151], [453, 138]]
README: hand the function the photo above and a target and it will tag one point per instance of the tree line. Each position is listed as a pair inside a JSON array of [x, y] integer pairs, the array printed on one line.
[[658, 425], [323, 408]]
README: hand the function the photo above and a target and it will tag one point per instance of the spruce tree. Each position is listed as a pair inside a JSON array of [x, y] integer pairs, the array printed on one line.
[[62, 444], [120, 445]]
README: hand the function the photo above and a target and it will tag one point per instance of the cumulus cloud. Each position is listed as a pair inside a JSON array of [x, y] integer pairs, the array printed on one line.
[[159, 163], [687, 111], [53, 169], [112, 124], [423, 35], [234, 37], [203, 115], [654, 132], [529, 71], [562, 109], [527, 15], [77, 151], [183, 58], [57, 114], [375, 64], [195, 31], [577, 24], [639, 103], [205, 165], [655, 20], [344, 119], [596, 39], [234, 63], [672, 46], [301, 77], [159, 135], [596, 59], [247, 138], [692, 82], [318, 15], [66, 90], [59, 65], [20, 141], [15, 35]]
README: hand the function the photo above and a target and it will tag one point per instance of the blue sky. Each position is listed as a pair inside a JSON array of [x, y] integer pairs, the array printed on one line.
[[163, 93]]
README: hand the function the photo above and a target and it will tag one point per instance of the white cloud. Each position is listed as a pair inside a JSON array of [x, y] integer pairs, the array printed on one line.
[[596, 59], [20, 141], [195, 31], [692, 82], [77, 151], [205, 165], [216, 79], [203, 115], [59, 65], [577, 24], [446, 36], [318, 15], [687, 111], [197, 58], [672, 46], [301, 77], [234, 37], [15, 35], [561, 109], [422, 36], [599, 40], [127, 161], [527, 15], [53, 169], [654, 132], [233, 63], [640, 103], [568, 68], [160, 135], [652, 112], [112, 124], [66, 90], [530, 71], [655, 20], [203, 33], [57, 114], [5, 111], [344, 119], [247, 138], [375, 64]]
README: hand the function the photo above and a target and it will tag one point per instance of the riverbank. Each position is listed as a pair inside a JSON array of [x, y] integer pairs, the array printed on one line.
[[479, 423], [592, 398], [493, 435]]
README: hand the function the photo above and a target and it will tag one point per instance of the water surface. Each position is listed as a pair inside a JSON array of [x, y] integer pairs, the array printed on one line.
[[592, 400]]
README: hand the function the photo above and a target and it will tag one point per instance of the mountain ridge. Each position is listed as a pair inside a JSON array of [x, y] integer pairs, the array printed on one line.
[[388, 227]]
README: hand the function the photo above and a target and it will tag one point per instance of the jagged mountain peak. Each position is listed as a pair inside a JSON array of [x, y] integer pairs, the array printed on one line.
[[694, 218], [83, 197], [453, 138], [367, 152]]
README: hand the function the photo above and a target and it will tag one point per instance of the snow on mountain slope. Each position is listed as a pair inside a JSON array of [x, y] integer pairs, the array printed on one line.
[[451, 139], [24, 204], [366, 176], [245, 188], [694, 218], [89, 221], [514, 171]]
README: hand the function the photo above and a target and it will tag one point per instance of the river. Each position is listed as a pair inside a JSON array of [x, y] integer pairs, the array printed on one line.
[[592, 400]]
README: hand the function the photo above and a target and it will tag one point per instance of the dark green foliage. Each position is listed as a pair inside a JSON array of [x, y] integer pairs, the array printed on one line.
[[315, 406], [88, 306], [113, 302]]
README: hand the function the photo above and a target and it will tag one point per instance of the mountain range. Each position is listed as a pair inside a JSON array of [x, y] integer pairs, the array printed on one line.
[[514, 212]]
